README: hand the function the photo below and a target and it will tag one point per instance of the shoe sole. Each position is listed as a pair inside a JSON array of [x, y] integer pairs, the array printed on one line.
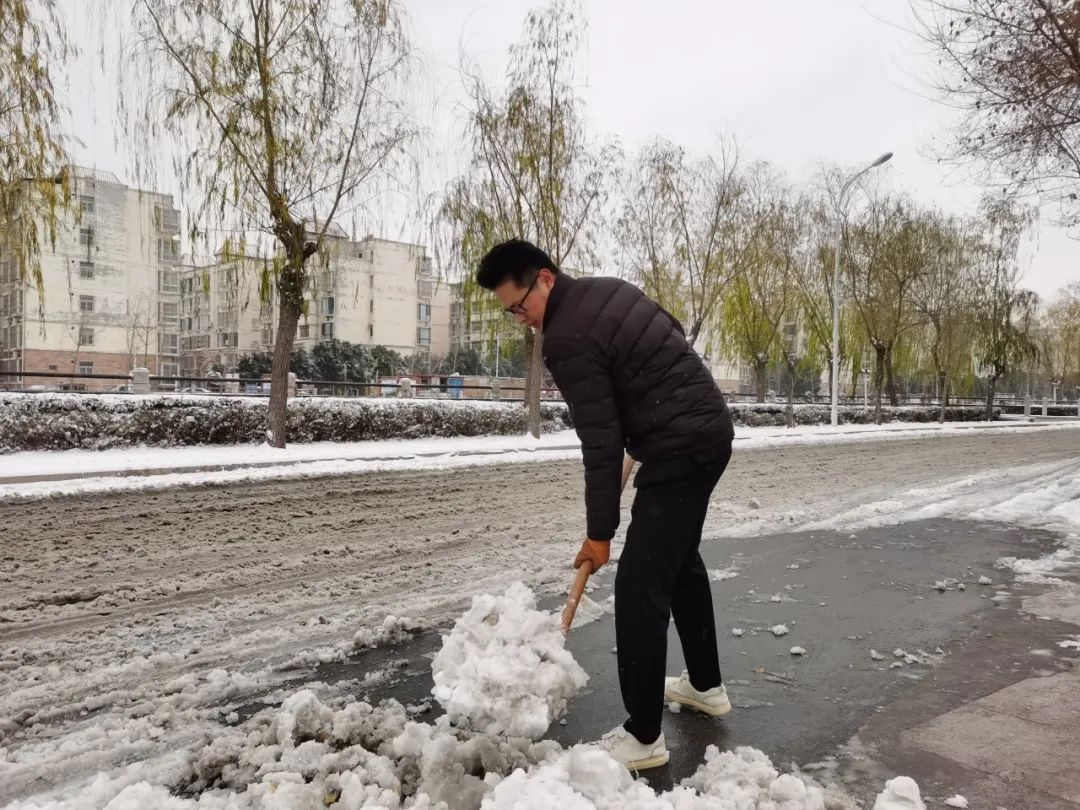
[[646, 764], [713, 711]]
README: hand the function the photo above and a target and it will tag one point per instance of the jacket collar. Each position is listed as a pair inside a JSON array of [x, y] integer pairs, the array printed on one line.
[[562, 284]]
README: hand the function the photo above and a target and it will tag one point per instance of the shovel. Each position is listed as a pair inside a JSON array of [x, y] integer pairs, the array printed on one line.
[[585, 570]]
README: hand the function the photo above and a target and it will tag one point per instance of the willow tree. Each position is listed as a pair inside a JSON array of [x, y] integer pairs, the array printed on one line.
[[1059, 338], [533, 173], [680, 232], [944, 297], [1005, 311], [34, 182], [887, 249], [761, 298], [281, 114]]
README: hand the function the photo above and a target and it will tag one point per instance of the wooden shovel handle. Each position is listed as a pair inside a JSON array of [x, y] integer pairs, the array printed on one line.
[[585, 570], [576, 590]]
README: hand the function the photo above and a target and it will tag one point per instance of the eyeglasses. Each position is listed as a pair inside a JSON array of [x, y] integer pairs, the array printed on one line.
[[519, 307]]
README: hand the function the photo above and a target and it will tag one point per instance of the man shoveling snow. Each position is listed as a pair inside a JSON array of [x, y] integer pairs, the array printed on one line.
[[634, 386]]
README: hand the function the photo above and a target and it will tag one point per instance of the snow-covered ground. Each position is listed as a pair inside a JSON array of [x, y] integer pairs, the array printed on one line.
[[132, 626], [41, 474]]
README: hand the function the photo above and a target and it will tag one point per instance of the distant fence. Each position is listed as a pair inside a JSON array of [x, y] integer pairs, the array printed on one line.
[[446, 387], [37, 382]]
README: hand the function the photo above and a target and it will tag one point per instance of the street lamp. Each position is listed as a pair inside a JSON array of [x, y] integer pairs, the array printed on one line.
[[836, 285]]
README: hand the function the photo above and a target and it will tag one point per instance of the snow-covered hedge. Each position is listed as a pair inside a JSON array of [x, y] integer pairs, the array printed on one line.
[[101, 421], [98, 422], [775, 414]]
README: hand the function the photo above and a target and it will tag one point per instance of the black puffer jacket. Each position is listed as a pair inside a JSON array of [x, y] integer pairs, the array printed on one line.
[[632, 383]]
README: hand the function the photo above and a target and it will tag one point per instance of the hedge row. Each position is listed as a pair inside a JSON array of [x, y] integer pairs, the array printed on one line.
[[775, 414], [99, 422], [89, 422]]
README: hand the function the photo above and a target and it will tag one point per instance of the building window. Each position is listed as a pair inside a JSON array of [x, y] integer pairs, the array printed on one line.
[[423, 312], [305, 331], [267, 336], [169, 344], [328, 305], [169, 369], [425, 266], [86, 236], [327, 330], [424, 289], [371, 305], [86, 336], [86, 303], [169, 281], [86, 270], [86, 367], [169, 313], [86, 203], [227, 339], [167, 250], [423, 336], [371, 330]]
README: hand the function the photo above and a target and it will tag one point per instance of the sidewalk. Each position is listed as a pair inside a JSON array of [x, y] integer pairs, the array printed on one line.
[[77, 471]]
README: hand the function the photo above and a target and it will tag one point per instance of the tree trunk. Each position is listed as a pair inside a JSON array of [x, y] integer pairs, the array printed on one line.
[[791, 396], [289, 311], [879, 379], [760, 380], [894, 398], [943, 381], [534, 343], [991, 389]]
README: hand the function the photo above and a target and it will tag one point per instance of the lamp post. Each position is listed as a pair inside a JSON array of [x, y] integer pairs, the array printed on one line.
[[835, 382]]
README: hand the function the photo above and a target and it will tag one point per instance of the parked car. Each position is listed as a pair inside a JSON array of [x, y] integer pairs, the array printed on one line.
[[120, 389], [194, 390]]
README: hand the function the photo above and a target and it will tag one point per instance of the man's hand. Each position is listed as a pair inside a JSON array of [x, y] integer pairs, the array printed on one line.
[[594, 552]]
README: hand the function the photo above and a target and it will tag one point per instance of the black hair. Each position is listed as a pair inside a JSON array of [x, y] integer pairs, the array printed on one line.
[[515, 259]]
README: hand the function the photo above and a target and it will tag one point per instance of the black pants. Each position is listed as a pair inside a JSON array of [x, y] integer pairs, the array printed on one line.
[[661, 574]]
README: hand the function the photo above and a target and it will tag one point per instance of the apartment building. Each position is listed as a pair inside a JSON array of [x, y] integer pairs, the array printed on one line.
[[372, 292], [111, 290]]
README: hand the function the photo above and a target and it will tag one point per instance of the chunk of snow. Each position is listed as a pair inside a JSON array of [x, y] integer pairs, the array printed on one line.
[[504, 668], [798, 651], [900, 793], [956, 801], [876, 655], [779, 630], [722, 574], [985, 580], [737, 632], [674, 707]]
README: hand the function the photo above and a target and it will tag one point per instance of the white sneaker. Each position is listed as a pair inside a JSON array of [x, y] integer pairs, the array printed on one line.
[[625, 748], [714, 702]]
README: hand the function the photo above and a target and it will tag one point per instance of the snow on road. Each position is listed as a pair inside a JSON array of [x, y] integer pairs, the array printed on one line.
[[43, 474], [132, 625]]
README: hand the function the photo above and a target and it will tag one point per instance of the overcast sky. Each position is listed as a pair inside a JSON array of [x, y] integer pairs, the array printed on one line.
[[798, 82]]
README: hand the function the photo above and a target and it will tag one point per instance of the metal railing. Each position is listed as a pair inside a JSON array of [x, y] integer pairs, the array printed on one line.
[[37, 382], [59, 381]]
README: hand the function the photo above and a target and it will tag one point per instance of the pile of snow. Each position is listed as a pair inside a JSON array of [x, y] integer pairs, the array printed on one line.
[[504, 668], [306, 754]]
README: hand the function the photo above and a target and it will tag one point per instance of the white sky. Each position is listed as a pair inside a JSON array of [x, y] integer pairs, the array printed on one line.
[[798, 82]]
